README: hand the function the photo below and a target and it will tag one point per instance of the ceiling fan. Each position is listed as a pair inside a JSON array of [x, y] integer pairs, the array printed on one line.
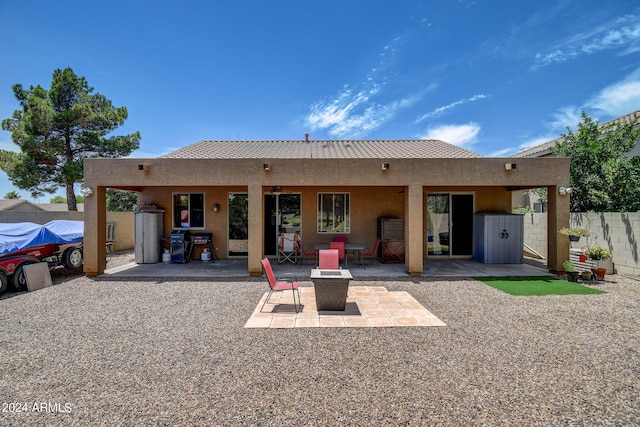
[[276, 191]]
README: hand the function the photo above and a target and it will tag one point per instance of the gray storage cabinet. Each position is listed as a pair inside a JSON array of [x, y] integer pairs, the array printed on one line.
[[149, 228], [498, 238]]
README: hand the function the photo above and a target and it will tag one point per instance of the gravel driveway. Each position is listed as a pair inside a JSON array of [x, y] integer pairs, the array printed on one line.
[[87, 352]]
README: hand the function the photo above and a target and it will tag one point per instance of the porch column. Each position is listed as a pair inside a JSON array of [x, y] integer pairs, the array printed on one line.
[[558, 216], [414, 230], [95, 229], [255, 229]]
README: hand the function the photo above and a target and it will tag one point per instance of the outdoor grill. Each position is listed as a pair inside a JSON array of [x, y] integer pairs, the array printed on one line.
[[202, 239], [179, 241]]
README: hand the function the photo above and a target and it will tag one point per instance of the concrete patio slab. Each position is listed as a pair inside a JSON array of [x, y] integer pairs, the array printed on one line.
[[238, 269], [367, 307]]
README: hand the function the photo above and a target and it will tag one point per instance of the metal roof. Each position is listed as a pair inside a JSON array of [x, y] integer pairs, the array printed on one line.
[[320, 149]]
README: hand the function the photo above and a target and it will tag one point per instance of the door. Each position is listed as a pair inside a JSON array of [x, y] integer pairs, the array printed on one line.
[[282, 214], [238, 243], [461, 224], [437, 224], [449, 224]]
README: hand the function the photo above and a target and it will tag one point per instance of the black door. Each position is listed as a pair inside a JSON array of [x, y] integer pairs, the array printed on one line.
[[270, 225], [461, 224]]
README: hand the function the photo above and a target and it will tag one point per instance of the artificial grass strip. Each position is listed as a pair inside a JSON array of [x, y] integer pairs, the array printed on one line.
[[537, 286]]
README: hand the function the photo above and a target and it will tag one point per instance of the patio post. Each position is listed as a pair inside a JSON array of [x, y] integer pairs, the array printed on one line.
[[558, 217], [95, 229], [255, 229], [414, 229]]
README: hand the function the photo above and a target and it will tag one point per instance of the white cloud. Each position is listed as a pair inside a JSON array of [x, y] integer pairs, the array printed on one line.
[[327, 114], [441, 110], [502, 153], [537, 141], [619, 98], [621, 33], [565, 117], [460, 135], [352, 114], [358, 109], [139, 154], [616, 100]]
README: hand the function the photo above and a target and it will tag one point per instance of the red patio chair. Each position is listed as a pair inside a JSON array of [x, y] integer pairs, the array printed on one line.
[[341, 252], [371, 254], [304, 252], [328, 259], [280, 285]]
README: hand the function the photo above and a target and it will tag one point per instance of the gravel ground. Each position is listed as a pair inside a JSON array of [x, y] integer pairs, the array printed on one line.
[[87, 352]]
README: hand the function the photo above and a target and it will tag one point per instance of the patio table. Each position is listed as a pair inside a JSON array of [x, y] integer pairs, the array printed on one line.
[[356, 248]]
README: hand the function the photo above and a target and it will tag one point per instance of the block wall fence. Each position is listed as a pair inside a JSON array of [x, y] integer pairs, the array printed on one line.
[[617, 231]]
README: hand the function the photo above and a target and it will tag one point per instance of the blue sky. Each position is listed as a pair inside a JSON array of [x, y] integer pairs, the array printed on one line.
[[490, 76]]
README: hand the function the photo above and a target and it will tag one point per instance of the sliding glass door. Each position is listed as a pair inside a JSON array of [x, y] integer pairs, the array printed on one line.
[[282, 214], [449, 224]]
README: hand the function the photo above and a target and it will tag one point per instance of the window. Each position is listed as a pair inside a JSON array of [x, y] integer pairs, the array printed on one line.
[[334, 213], [188, 210]]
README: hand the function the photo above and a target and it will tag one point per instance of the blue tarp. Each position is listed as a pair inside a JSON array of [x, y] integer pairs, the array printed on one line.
[[69, 231], [21, 235]]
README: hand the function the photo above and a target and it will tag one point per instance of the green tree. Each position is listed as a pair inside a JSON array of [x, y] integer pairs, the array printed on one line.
[[603, 177], [56, 130], [57, 199], [12, 195], [121, 201], [61, 199]]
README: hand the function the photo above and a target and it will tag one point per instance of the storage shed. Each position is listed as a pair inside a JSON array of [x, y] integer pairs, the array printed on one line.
[[498, 238]]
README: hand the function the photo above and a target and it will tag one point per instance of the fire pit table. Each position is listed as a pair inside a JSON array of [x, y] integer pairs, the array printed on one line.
[[331, 288]]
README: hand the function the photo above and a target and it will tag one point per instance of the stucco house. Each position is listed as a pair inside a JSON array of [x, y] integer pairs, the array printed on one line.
[[19, 205], [247, 192], [25, 205]]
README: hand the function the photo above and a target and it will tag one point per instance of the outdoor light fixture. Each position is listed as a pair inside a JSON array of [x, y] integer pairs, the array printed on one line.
[[509, 166], [565, 190], [266, 167], [385, 166], [216, 207], [86, 192]]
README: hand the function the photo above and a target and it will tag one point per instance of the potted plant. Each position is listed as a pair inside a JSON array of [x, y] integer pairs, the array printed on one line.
[[586, 276], [570, 269], [574, 233], [597, 253], [599, 273]]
